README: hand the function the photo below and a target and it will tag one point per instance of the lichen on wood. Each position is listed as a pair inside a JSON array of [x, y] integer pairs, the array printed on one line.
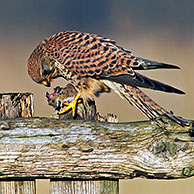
[[52, 148]]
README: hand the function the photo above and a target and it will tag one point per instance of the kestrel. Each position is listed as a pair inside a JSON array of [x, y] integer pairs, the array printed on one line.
[[94, 64]]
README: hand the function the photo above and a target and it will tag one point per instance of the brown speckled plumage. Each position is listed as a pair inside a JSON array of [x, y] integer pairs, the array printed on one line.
[[95, 64]]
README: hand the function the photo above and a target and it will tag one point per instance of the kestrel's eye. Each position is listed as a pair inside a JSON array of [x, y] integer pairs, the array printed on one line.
[[45, 70]]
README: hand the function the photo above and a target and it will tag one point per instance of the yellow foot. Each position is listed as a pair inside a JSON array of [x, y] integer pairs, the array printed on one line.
[[72, 105]]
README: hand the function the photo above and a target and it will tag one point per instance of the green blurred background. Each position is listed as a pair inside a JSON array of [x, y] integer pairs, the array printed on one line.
[[158, 30]]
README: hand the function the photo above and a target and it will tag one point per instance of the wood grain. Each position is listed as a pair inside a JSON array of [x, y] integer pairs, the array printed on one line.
[[85, 187], [17, 187], [51, 148], [14, 105]]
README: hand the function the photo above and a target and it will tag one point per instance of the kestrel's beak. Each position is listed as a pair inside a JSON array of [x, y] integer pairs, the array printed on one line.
[[46, 83]]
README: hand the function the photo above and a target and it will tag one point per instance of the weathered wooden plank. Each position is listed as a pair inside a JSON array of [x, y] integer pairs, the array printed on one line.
[[42, 147], [85, 187], [17, 187], [14, 105]]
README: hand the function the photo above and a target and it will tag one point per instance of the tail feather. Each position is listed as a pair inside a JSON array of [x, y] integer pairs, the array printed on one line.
[[146, 105], [146, 64]]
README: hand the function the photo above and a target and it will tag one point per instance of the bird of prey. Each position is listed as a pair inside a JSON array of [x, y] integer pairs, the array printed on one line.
[[94, 64]]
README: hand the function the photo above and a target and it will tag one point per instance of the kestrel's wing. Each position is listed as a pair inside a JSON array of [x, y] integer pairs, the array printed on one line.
[[85, 54]]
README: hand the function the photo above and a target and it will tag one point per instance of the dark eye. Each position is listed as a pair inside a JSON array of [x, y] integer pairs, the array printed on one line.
[[45, 70]]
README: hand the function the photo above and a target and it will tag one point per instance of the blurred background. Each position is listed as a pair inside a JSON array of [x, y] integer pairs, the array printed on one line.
[[158, 30]]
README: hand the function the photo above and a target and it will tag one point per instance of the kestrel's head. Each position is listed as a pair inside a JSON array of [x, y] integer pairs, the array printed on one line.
[[40, 68]]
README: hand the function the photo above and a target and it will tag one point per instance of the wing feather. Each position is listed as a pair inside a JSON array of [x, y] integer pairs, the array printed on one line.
[[85, 54]]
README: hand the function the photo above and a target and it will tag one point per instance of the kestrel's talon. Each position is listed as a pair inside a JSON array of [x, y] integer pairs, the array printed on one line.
[[68, 103], [71, 105]]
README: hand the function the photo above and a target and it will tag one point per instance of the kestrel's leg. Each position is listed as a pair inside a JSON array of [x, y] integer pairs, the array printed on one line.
[[71, 105]]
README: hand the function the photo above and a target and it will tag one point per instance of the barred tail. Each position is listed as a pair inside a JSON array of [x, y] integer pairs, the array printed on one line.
[[146, 105]]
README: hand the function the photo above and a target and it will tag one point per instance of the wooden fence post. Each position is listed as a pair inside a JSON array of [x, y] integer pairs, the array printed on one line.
[[17, 187], [84, 187], [82, 155], [90, 157], [14, 105]]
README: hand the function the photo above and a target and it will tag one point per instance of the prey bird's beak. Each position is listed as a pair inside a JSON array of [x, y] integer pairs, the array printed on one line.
[[46, 83]]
